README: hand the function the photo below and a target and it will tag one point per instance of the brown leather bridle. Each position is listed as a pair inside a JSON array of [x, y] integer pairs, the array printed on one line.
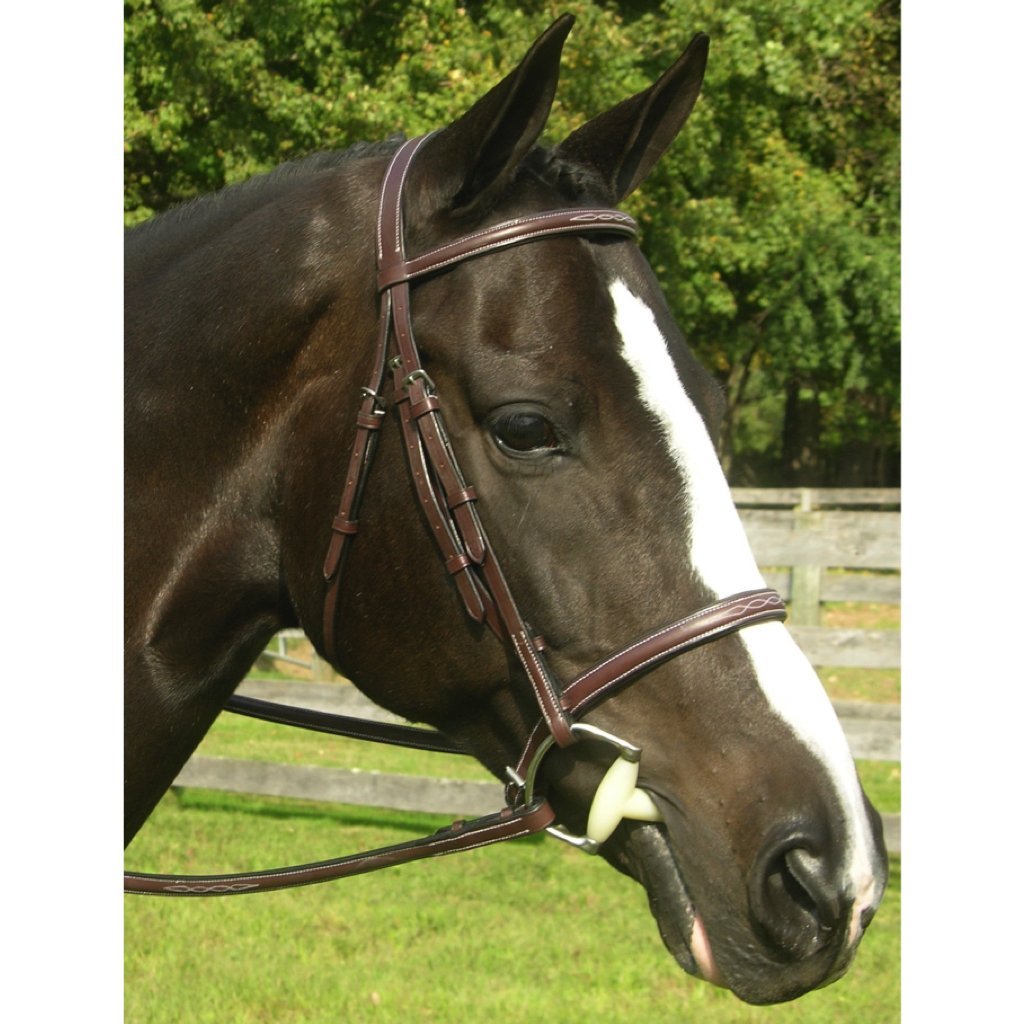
[[449, 505]]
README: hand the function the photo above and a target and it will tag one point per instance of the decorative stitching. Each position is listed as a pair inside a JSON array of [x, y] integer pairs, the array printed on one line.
[[752, 600], [519, 640], [585, 217], [503, 243]]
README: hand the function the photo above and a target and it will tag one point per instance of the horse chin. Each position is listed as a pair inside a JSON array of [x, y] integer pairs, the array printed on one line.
[[642, 851]]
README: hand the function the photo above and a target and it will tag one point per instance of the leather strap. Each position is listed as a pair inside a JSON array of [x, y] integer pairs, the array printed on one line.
[[445, 497], [460, 835], [581, 695], [501, 236], [344, 725]]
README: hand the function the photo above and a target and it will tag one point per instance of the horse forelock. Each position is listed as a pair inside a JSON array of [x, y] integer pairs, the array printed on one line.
[[572, 181]]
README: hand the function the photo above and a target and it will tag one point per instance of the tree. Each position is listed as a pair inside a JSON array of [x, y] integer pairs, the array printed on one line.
[[772, 223]]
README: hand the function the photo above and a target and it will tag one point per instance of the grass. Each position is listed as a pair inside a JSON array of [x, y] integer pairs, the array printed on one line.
[[878, 685], [521, 932]]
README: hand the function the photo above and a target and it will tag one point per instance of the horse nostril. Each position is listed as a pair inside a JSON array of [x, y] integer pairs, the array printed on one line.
[[812, 875], [796, 897]]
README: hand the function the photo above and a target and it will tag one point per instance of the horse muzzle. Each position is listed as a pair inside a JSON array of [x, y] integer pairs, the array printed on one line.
[[789, 924]]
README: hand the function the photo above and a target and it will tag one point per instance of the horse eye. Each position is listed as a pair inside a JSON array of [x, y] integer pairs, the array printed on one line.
[[523, 433]]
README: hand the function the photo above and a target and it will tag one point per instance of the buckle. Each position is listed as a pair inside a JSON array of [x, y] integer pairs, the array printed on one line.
[[379, 406], [422, 375]]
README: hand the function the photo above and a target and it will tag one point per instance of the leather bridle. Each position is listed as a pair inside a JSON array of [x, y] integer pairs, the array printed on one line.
[[449, 505]]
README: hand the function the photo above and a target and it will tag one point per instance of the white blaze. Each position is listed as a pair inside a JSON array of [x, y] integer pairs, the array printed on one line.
[[721, 555]]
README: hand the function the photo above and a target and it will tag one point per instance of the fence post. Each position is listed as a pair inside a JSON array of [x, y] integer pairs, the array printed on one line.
[[805, 592]]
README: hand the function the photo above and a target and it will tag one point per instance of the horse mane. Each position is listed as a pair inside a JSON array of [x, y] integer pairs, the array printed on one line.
[[572, 181], [235, 200]]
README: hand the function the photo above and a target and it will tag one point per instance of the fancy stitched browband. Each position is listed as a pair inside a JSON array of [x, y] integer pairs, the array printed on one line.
[[449, 505]]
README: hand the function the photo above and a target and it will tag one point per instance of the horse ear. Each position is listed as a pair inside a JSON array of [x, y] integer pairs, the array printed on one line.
[[474, 158], [623, 144]]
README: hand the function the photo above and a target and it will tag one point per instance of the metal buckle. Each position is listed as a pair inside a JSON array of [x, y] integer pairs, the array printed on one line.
[[420, 375], [379, 405]]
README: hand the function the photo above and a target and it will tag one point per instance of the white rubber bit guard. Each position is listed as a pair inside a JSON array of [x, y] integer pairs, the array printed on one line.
[[616, 798]]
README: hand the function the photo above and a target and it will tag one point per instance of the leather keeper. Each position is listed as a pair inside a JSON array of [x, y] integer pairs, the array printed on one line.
[[461, 498], [429, 403], [457, 563], [347, 526], [369, 420]]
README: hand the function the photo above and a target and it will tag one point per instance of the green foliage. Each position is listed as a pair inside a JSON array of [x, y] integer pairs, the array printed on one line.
[[772, 223]]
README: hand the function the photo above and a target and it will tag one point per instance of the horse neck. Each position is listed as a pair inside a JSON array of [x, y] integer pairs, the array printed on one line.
[[237, 313], [234, 312]]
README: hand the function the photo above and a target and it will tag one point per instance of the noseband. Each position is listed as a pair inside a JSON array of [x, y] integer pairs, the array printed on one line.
[[449, 504]]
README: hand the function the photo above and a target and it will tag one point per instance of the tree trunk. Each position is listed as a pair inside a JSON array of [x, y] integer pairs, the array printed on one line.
[[801, 430]]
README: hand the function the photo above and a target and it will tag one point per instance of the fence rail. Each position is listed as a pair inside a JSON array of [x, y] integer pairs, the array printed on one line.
[[809, 547], [817, 497]]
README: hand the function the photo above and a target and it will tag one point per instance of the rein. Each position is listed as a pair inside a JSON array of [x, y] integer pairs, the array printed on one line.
[[449, 504]]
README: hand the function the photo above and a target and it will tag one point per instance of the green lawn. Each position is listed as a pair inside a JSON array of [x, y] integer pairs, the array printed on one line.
[[520, 932]]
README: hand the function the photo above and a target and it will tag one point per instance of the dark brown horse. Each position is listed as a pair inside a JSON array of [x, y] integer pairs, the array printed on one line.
[[585, 431]]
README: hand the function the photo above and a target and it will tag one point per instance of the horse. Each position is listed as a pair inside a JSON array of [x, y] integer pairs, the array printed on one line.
[[544, 490]]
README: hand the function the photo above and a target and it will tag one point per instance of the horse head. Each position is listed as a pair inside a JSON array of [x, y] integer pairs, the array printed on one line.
[[587, 430]]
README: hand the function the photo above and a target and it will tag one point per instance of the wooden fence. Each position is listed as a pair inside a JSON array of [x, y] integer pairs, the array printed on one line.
[[813, 545], [817, 545]]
